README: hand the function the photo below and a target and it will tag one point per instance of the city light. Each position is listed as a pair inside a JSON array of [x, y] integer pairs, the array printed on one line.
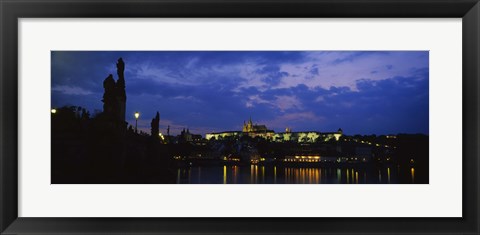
[[137, 114], [54, 111]]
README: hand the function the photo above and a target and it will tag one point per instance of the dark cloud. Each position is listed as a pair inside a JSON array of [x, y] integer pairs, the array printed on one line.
[[219, 90]]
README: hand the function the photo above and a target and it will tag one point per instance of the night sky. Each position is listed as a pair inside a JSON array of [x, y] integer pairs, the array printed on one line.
[[211, 91]]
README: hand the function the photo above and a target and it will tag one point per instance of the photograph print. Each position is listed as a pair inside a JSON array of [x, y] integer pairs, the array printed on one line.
[[239, 117]]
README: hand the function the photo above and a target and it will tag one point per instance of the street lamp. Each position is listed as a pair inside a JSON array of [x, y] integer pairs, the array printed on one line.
[[54, 111], [137, 114]]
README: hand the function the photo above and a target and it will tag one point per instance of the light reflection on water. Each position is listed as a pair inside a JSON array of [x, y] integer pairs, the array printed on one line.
[[255, 174], [412, 172]]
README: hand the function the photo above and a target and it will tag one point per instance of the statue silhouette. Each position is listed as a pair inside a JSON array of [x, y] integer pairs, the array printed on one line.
[[115, 97]]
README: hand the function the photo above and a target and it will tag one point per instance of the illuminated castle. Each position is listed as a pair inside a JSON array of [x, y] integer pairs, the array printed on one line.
[[254, 130], [250, 127]]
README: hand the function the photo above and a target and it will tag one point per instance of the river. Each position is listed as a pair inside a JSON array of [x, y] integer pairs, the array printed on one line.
[[259, 174]]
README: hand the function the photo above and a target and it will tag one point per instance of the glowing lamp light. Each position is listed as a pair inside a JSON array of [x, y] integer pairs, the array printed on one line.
[[53, 111], [137, 114]]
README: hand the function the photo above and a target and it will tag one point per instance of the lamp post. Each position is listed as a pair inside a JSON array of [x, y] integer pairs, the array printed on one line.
[[137, 114]]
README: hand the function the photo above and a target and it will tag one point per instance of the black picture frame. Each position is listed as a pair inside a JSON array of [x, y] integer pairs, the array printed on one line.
[[11, 11]]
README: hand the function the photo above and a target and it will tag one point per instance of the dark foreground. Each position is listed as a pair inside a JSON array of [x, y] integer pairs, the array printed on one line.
[[94, 151]]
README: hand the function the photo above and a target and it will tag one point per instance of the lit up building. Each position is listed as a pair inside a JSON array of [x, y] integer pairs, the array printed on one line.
[[250, 127], [254, 130], [307, 136], [310, 159], [223, 135]]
